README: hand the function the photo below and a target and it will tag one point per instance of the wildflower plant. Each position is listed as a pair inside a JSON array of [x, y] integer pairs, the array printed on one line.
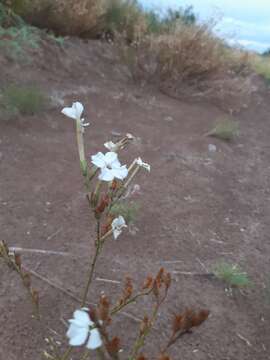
[[108, 183]]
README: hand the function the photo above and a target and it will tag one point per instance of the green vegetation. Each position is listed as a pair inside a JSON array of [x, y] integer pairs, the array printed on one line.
[[231, 275], [128, 210], [226, 129], [26, 100], [17, 37]]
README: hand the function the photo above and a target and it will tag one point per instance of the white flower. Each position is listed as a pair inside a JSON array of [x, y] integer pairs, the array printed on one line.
[[143, 164], [110, 146], [82, 328], [110, 166], [75, 112], [117, 225]]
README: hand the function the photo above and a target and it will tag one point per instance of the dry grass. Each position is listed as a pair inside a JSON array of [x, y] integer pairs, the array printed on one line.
[[66, 17], [187, 53]]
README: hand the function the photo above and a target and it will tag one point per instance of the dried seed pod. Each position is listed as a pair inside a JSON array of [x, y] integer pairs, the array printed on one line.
[[159, 277], [113, 346], [200, 317], [177, 323], [104, 309], [148, 283], [102, 206], [187, 319], [18, 260], [128, 290], [167, 280]]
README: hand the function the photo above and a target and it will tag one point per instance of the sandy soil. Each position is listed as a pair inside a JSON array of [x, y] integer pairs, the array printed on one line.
[[197, 207]]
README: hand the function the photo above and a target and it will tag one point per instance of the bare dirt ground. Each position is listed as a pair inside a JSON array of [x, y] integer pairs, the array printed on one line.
[[197, 207]]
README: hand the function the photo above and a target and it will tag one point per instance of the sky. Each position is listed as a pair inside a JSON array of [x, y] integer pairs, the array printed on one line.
[[244, 22]]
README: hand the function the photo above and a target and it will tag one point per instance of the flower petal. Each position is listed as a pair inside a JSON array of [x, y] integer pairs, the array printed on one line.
[[69, 112], [120, 173], [116, 164], [81, 317], [106, 174], [78, 107], [110, 157], [98, 160], [121, 221], [94, 341], [77, 335], [116, 233]]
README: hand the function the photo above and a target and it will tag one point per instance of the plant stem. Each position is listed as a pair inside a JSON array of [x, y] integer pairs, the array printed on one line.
[[80, 143], [141, 338], [93, 265], [90, 274], [116, 309]]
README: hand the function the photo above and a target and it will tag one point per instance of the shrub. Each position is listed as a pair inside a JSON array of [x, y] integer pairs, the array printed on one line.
[[183, 53], [232, 275], [226, 129], [24, 100], [65, 17], [126, 18]]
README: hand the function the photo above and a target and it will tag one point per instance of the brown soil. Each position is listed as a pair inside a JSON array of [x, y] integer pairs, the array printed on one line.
[[197, 207]]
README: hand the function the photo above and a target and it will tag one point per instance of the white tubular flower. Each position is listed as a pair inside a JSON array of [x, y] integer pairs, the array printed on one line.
[[81, 329], [110, 166], [117, 225], [111, 146], [75, 112], [143, 164]]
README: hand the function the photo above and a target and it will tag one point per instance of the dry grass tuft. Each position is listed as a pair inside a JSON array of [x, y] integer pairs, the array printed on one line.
[[186, 53]]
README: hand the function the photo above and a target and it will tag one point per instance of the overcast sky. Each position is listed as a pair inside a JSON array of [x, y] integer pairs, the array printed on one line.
[[244, 21]]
